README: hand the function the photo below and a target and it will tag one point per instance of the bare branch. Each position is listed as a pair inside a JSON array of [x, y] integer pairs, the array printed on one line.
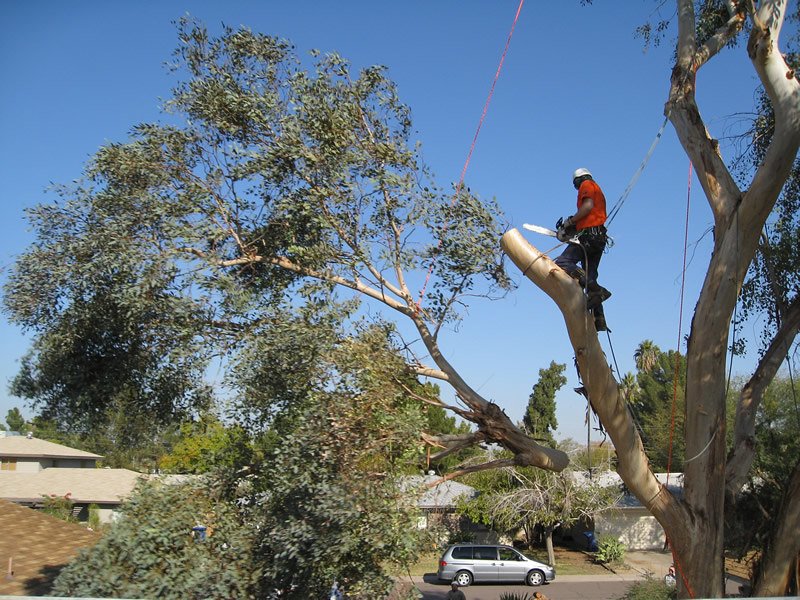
[[742, 454], [424, 371]]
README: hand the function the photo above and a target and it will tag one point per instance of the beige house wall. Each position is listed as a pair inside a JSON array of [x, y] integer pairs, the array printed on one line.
[[23, 465], [634, 527]]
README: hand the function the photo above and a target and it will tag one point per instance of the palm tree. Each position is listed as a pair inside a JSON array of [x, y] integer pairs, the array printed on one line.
[[646, 355], [628, 388]]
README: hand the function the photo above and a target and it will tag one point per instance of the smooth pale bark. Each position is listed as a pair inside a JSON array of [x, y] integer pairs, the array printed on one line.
[[739, 218], [694, 526], [601, 387]]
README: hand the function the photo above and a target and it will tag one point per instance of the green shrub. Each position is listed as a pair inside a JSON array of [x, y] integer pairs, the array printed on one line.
[[94, 517], [59, 507], [610, 550], [650, 589]]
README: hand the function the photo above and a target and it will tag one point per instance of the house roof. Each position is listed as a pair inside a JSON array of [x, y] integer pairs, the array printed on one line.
[[673, 481], [99, 486], [20, 446], [38, 546], [443, 495]]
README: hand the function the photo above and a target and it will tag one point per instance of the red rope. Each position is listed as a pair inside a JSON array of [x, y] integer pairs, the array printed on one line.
[[677, 367], [472, 146]]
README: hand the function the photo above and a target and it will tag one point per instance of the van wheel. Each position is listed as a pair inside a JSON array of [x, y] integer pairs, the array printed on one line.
[[535, 578], [463, 578]]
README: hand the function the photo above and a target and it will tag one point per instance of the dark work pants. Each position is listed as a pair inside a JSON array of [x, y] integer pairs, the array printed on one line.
[[588, 254]]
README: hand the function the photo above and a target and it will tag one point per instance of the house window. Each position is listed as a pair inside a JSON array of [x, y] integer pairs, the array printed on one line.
[[8, 464]]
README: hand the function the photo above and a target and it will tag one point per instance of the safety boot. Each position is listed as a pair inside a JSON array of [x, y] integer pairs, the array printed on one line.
[[596, 295], [600, 323]]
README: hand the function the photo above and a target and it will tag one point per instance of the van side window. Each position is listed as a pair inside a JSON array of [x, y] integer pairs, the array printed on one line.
[[462, 552], [508, 554], [485, 552]]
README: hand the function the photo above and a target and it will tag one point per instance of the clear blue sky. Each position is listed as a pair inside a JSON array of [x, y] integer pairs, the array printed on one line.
[[576, 90]]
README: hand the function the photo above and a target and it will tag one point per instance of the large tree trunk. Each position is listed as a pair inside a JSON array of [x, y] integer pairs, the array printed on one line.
[[738, 219], [695, 525]]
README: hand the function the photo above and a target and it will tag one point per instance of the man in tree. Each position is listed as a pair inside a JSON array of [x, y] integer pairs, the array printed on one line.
[[589, 223]]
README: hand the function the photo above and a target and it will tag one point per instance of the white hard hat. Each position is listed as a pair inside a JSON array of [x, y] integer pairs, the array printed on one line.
[[580, 173]]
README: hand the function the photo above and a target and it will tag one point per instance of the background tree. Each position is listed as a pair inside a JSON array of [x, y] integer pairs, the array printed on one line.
[[695, 524], [156, 522], [279, 193], [515, 499], [15, 420], [777, 436], [646, 355], [540, 415], [207, 445], [661, 425]]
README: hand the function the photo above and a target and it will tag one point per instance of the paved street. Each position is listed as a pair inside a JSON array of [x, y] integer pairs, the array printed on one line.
[[564, 588]]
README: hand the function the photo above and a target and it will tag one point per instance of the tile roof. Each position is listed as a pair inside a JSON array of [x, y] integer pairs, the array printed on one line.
[[38, 546], [20, 446], [101, 486]]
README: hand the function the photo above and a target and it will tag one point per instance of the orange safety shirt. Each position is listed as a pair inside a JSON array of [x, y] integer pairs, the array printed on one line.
[[590, 190]]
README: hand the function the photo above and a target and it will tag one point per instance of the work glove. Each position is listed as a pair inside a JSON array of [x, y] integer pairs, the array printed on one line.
[[565, 229]]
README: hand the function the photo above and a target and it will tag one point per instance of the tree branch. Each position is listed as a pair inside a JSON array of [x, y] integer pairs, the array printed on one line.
[[719, 40], [424, 371], [601, 387], [742, 454], [452, 443], [285, 263], [493, 464], [780, 558]]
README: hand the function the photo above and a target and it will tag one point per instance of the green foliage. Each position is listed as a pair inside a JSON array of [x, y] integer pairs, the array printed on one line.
[[650, 589], [207, 445], [219, 241], [777, 444], [610, 550], [150, 552], [516, 498], [321, 501], [651, 401], [540, 414], [59, 507], [328, 501], [15, 420], [93, 522]]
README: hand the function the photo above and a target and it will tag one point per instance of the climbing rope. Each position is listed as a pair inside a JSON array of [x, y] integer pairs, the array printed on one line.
[[626, 192], [680, 324], [460, 184], [676, 373]]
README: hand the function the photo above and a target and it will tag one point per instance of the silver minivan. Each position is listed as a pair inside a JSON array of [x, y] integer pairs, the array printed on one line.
[[465, 563]]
